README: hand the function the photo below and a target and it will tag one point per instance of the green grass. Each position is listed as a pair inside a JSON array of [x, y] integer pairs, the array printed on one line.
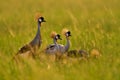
[[93, 23]]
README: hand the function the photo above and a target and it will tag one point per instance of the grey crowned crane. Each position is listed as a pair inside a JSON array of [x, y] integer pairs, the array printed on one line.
[[53, 48], [34, 45]]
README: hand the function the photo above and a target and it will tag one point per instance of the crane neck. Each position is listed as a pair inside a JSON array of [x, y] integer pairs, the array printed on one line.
[[67, 44]]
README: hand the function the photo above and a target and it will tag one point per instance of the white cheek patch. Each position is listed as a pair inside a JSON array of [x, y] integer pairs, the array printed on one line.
[[67, 34], [40, 20], [56, 37]]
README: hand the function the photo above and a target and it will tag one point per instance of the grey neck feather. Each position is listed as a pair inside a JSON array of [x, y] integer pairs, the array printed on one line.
[[55, 41], [67, 44], [56, 45], [38, 32], [36, 40]]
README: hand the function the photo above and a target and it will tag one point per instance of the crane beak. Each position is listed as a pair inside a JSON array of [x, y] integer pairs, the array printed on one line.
[[44, 21]]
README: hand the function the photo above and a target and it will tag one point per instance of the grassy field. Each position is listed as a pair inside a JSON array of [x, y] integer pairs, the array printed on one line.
[[93, 23]]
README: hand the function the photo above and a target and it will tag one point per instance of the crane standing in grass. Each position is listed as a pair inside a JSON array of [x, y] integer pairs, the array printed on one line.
[[53, 48], [34, 45]]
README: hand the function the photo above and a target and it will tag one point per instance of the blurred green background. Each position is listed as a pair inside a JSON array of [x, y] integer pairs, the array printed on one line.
[[93, 23]]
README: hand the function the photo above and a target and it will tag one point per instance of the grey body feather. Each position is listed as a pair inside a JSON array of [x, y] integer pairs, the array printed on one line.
[[58, 48], [52, 48]]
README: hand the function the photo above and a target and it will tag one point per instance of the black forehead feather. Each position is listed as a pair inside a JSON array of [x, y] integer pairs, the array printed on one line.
[[58, 35], [69, 32], [41, 18]]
